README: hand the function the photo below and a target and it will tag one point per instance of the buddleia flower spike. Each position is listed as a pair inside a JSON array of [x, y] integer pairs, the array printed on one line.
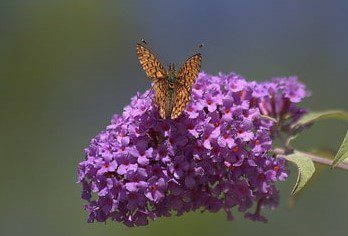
[[217, 155]]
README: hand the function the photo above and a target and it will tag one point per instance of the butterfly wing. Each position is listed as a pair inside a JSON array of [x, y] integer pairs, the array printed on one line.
[[160, 87], [150, 64], [182, 97], [186, 77], [155, 71], [188, 73]]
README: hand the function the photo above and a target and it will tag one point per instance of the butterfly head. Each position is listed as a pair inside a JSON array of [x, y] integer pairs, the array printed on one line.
[[171, 69]]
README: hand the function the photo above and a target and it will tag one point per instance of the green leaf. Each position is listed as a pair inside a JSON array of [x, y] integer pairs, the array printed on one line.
[[319, 115], [342, 153], [305, 168]]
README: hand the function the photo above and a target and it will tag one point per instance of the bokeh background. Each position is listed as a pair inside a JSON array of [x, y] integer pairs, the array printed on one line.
[[67, 66]]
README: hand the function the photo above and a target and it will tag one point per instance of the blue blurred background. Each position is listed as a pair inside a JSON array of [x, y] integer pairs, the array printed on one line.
[[67, 66]]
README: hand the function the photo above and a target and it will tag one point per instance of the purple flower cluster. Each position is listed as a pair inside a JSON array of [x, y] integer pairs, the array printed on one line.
[[278, 98], [216, 156]]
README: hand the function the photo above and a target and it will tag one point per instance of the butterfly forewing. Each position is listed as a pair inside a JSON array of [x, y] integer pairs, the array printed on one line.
[[188, 73], [150, 64]]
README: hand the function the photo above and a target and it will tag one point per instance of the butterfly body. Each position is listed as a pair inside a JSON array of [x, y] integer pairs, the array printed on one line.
[[172, 89]]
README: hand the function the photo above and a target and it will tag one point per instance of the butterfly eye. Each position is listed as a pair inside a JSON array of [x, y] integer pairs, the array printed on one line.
[[143, 41], [201, 45]]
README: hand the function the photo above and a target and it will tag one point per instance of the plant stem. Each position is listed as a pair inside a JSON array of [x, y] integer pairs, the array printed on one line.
[[315, 158], [325, 161]]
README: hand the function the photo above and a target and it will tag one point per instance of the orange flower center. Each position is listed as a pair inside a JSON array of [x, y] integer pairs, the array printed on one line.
[[262, 176]]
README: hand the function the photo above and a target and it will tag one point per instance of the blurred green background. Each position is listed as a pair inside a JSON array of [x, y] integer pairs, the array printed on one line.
[[67, 66]]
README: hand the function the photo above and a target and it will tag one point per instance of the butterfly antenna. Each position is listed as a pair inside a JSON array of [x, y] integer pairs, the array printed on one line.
[[199, 47]]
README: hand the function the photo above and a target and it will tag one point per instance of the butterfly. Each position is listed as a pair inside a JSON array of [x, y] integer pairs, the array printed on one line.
[[172, 89]]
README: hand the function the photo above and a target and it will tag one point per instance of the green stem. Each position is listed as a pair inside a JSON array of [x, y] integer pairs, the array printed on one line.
[[316, 159], [325, 161]]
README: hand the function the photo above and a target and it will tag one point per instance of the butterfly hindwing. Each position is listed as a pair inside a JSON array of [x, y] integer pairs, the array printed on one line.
[[150, 64], [182, 97], [160, 89]]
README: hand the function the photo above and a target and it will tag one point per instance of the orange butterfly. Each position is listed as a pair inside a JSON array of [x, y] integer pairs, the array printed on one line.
[[172, 90]]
